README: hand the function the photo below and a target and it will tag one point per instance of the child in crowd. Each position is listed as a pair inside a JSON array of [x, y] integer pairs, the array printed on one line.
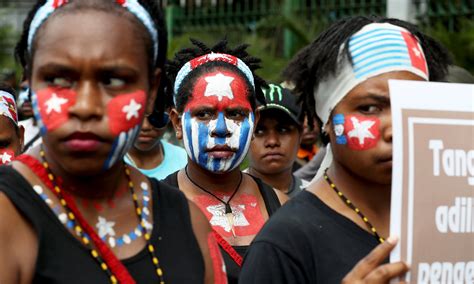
[[276, 140], [71, 210], [320, 235], [11, 134], [215, 91]]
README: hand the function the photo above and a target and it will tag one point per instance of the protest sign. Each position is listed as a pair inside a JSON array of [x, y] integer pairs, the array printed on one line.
[[433, 180]]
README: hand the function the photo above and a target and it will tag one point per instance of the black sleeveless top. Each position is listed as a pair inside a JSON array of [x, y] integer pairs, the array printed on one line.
[[272, 203], [63, 259]]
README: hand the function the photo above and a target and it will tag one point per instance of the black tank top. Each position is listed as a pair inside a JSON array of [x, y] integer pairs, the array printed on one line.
[[272, 203], [63, 259]]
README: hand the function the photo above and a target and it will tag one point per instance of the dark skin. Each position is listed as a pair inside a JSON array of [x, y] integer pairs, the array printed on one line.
[[147, 152], [87, 61], [364, 176], [11, 137], [274, 148], [225, 182]]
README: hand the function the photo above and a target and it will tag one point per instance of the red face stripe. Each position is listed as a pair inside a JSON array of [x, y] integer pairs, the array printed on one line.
[[218, 266], [414, 50], [126, 111], [248, 219], [59, 3], [219, 89], [54, 106], [362, 132]]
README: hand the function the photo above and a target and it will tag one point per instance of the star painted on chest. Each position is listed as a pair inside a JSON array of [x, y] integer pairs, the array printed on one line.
[[220, 219], [5, 158], [416, 51], [361, 130], [131, 110], [105, 227], [54, 104], [219, 86]]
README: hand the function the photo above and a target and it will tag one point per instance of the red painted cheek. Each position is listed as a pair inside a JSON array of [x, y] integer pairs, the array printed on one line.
[[362, 132], [220, 276], [54, 106], [220, 89], [126, 111], [248, 219]]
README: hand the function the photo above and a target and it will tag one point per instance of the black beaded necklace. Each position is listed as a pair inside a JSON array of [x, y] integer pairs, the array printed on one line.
[[353, 207]]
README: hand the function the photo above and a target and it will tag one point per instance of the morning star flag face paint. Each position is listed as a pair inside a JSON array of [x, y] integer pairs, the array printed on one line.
[[6, 156], [125, 114], [356, 131], [218, 144], [51, 107]]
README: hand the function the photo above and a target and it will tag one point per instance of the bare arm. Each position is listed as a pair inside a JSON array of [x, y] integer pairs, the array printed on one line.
[[18, 245], [209, 248]]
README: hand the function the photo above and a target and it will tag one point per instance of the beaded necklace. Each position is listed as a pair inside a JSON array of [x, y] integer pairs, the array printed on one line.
[[353, 207], [115, 270]]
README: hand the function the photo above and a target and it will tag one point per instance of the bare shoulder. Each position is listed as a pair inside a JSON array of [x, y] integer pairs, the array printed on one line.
[[18, 245]]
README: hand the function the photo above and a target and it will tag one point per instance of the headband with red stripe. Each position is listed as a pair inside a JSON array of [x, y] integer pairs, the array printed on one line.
[[131, 5], [198, 61]]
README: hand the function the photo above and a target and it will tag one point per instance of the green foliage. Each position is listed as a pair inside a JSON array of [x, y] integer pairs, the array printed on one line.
[[460, 43], [7, 41]]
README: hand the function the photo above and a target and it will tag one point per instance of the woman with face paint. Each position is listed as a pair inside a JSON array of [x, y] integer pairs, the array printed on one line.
[[11, 133], [214, 94], [332, 232], [71, 211]]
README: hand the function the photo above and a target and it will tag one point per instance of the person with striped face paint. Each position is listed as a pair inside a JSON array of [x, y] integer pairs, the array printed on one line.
[[337, 231], [214, 94]]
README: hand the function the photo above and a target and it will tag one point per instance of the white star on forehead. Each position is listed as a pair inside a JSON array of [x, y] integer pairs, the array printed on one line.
[[219, 86], [132, 109], [54, 104], [416, 51], [6, 158], [105, 228], [361, 130]]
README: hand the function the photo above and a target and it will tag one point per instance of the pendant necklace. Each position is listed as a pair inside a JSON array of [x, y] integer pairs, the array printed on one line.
[[353, 207], [228, 209]]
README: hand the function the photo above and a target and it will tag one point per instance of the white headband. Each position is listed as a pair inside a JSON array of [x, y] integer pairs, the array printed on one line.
[[198, 61], [376, 49], [131, 5], [8, 106]]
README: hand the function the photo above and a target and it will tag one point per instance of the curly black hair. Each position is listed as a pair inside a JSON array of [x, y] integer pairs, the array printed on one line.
[[319, 60], [199, 49]]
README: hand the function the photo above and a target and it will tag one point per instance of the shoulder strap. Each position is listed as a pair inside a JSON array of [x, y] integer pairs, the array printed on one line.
[[228, 249], [30, 143], [272, 203]]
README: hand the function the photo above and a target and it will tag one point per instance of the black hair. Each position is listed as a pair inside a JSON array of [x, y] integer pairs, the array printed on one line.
[[319, 60], [199, 49], [23, 55]]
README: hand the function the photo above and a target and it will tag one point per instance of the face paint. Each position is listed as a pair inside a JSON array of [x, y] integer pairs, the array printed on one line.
[[125, 114], [51, 107], [219, 91], [247, 217], [218, 266], [6, 156], [358, 132]]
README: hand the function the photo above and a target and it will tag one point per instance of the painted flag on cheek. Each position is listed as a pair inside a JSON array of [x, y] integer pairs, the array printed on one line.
[[362, 132], [126, 111], [6, 156], [53, 106]]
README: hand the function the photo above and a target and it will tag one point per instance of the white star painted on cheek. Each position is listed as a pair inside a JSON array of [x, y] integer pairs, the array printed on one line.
[[219, 86], [105, 228], [132, 109], [416, 51], [361, 130], [6, 158], [55, 103]]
